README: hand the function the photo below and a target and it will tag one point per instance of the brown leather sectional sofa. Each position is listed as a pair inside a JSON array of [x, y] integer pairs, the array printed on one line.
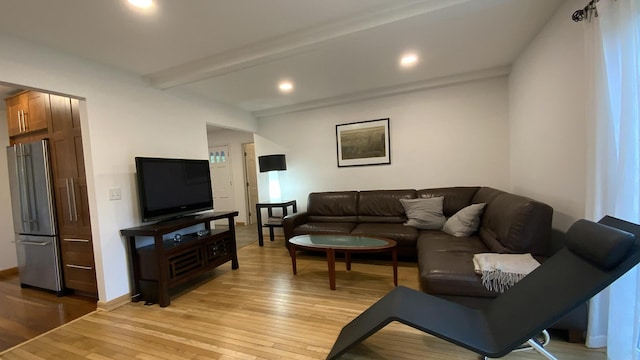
[[509, 224]]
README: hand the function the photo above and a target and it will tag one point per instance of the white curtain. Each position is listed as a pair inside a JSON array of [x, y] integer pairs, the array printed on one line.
[[613, 55]]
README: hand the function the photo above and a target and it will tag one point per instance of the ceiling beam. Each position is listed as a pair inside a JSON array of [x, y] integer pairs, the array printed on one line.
[[387, 91], [292, 44]]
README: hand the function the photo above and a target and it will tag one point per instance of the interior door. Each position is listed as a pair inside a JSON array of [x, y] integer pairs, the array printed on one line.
[[221, 178], [251, 180]]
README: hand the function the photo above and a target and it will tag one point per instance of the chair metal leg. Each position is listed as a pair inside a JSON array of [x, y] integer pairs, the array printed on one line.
[[535, 345]]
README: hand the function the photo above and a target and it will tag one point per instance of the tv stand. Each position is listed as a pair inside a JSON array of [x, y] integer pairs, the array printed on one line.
[[159, 264]]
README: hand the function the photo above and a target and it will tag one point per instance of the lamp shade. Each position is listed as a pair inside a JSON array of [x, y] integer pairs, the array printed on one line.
[[272, 162]]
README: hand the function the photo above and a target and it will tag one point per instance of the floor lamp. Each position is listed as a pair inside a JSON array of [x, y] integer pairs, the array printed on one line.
[[272, 164]]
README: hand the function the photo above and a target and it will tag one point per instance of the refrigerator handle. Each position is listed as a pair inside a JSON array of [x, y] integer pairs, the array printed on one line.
[[30, 181], [25, 204], [16, 163], [48, 181], [36, 243]]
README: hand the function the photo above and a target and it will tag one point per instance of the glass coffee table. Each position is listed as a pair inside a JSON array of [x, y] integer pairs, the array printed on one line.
[[347, 244]]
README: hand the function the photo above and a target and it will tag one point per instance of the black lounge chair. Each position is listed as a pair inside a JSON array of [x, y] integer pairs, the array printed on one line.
[[594, 256]]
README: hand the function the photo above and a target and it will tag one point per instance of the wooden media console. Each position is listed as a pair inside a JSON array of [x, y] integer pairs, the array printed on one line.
[[165, 255]]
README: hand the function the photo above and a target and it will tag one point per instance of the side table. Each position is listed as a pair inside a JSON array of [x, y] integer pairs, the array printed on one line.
[[272, 221]]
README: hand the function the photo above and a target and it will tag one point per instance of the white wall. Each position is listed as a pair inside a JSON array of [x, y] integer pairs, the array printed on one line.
[[123, 118], [449, 136], [547, 118], [235, 139], [7, 248]]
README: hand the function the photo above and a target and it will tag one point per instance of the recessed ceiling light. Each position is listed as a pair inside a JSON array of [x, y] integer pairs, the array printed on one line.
[[408, 60], [143, 4], [285, 86]]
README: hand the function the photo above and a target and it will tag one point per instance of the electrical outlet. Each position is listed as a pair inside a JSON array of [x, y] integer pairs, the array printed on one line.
[[115, 194]]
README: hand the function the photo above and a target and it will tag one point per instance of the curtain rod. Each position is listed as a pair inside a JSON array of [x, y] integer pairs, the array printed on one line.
[[588, 12]]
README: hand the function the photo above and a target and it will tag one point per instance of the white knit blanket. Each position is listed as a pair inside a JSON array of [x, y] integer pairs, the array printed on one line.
[[501, 271]]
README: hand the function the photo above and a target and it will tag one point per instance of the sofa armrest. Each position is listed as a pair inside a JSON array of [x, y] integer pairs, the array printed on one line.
[[290, 222]]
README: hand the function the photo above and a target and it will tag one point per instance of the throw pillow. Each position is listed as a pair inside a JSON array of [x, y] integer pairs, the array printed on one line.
[[465, 222], [424, 213]]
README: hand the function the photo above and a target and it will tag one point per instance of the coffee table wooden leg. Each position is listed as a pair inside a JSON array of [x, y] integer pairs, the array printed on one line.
[[347, 260], [292, 253], [331, 260], [394, 258]]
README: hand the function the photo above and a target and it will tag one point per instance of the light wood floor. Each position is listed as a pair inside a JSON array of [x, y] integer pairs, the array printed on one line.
[[260, 311]]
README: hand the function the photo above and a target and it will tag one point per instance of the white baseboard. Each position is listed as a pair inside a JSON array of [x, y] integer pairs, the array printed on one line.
[[115, 303]]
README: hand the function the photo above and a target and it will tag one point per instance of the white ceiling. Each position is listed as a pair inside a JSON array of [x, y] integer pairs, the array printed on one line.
[[236, 51]]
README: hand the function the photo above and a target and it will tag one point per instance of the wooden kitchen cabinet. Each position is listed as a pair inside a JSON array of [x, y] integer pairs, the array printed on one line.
[[34, 116], [70, 187], [27, 113]]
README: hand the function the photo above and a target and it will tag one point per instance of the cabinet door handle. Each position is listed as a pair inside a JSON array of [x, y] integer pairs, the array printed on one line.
[[76, 240], [73, 200], [24, 121], [79, 267], [20, 121], [66, 182]]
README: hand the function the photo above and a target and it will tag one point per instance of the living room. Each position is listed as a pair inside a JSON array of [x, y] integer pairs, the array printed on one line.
[[519, 127]]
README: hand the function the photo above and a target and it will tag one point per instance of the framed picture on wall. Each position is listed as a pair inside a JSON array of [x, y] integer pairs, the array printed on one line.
[[363, 143]]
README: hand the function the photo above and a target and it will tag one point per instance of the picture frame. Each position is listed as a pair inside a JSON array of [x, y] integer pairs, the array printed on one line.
[[363, 143]]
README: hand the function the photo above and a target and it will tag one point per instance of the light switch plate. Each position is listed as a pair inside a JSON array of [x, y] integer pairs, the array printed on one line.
[[115, 194]]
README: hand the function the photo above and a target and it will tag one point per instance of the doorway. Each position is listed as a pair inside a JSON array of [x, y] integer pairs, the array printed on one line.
[[251, 180], [220, 164]]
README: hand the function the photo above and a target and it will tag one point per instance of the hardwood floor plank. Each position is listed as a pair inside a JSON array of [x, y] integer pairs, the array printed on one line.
[[116, 338], [113, 345], [28, 312], [173, 339], [28, 355], [67, 347], [261, 311]]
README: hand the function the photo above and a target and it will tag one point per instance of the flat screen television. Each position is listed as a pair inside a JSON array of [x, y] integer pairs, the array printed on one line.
[[170, 188]]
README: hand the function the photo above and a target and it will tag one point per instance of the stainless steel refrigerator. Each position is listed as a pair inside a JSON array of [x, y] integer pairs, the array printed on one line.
[[34, 218]]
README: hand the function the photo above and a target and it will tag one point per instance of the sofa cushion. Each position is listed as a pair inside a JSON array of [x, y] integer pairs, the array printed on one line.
[[455, 198], [405, 236], [324, 227], [338, 206], [383, 206], [486, 195], [445, 264], [513, 223], [465, 222], [424, 213]]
